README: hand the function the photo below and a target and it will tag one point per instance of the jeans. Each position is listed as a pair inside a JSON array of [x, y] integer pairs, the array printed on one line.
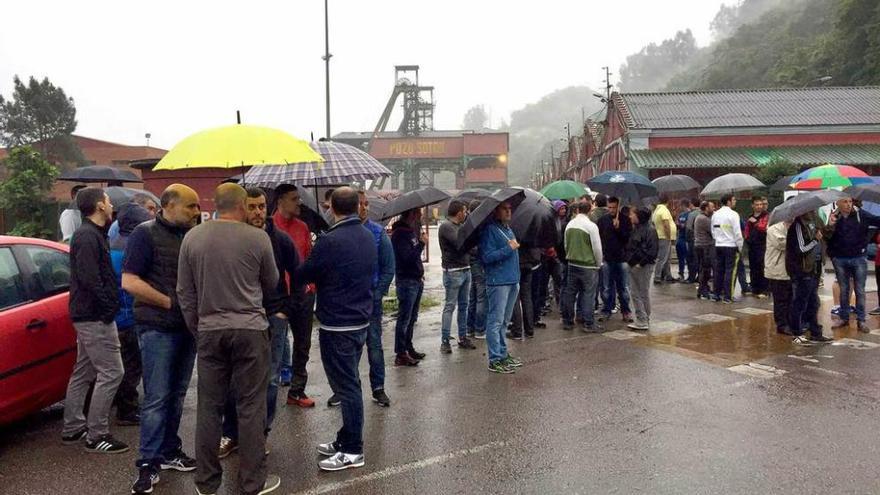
[[458, 288], [805, 305], [705, 261], [341, 354], [375, 355], [693, 265], [661, 267], [409, 295], [781, 290], [524, 311], [277, 336], [126, 399], [616, 287], [681, 252], [168, 358], [726, 260], [756, 268], [97, 360], [501, 300], [237, 362], [579, 281], [301, 328], [477, 302], [849, 270], [640, 289]]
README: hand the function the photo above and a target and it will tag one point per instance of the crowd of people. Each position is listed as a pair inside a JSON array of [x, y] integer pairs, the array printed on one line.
[[152, 287]]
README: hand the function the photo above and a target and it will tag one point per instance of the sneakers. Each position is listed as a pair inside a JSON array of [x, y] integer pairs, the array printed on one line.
[[445, 348], [512, 362], [480, 335], [761, 296], [820, 339], [227, 446], [147, 477], [74, 438], [592, 328], [863, 327], [180, 462], [381, 398], [835, 310], [106, 445], [540, 324], [285, 376], [404, 359], [300, 399], [628, 318], [499, 367], [568, 326], [875, 311], [333, 401], [417, 355], [465, 343], [327, 449], [514, 336], [640, 326], [341, 460], [133, 419], [801, 340], [273, 481]]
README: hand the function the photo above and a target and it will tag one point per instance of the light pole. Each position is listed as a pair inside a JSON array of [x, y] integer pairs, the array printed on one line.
[[326, 59]]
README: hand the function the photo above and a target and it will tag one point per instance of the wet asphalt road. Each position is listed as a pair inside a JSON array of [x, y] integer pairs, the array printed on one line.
[[710, 401]]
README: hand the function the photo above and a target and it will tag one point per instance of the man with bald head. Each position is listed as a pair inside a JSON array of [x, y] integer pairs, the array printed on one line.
[[225, 268], [168, 350]]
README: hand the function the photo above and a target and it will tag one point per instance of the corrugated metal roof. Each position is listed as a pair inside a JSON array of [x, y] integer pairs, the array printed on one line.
[[423, 134], [751, 108], [856, 154]]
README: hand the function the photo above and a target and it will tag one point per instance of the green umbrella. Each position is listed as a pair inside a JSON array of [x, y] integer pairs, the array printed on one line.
[[564, 189]]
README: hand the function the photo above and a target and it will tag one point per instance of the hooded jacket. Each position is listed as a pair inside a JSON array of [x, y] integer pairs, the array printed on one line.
[[774, 257], [802, 249], [500, 261], [643, 243], [130, 216], [407, 252]]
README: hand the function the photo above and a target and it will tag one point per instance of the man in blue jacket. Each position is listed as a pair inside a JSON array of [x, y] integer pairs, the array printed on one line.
[[342, 270], [408, 244], [498, 251], [382, 278]]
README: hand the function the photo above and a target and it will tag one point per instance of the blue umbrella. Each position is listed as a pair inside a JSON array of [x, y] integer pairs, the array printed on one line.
[[630, 187]]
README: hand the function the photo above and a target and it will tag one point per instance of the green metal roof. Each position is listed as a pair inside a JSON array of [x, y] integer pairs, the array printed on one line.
[[854, 154]]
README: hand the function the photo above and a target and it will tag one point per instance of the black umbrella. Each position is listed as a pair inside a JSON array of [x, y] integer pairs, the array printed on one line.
[[412, 200], [377, 208], [675, 184], [469, 195], [120, 196], [534, 221], [782, 184], [468, 234], [630, 187], [865, 192], [99, 173], [804, 203], [310, 213]]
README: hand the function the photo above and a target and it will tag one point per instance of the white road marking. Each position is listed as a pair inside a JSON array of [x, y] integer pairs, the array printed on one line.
[[757, 370], [714, 318], [403, 468], [809, 359], [753, 311], [855, 344], [622, 335], [823, 370]]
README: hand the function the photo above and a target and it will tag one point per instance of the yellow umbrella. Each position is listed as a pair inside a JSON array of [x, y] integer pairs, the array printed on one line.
[[238, 146]]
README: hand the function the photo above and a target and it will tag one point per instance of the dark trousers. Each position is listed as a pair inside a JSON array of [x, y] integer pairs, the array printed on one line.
[[782, 294], [693, 265], [524, 310], [726, 259], [805, 305], [756, 268], [681, 252], [877, 279], [579, 281], [476, 322], [341, 355], [409, 297], [557, 275], [236, 361], [126, 399], [540, 289], [301, 328], [705, 260]]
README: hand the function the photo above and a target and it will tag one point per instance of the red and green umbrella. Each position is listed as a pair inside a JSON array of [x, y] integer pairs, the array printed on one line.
[[829, 176]]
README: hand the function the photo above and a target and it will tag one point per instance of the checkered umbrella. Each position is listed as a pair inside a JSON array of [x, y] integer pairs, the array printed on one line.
[[342, 164]]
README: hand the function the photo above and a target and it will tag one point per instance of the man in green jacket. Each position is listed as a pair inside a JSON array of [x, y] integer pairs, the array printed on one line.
[[583, 248]]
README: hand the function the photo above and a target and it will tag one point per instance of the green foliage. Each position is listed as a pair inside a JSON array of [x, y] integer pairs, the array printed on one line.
[[23, 193], [389, 303], [42, 115], [653, 67], [774, 170], [476, 119]]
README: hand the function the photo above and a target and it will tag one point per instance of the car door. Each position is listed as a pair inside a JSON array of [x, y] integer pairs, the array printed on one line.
[[17, 312]]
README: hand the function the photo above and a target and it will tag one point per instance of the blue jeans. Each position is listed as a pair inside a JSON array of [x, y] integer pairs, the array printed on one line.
[[409, 295], [579, 282], [501, 299], [278, 328], [374, 347], [849, 270], [681, 252], [476, 316], [616, 286], [458, 288], [341, 354], [168, 358]]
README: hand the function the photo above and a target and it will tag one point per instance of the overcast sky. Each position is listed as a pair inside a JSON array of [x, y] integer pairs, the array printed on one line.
[[174, 67]]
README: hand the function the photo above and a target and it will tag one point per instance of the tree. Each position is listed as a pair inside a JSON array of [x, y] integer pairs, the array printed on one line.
[[476, 118], [41, 115], [655, 65], [23, 193]]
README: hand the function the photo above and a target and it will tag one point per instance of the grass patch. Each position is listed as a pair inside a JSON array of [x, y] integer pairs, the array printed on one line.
[[389, 303]]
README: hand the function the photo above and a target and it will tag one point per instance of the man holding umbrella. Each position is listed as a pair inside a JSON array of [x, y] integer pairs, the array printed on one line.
[[803, 253], [408, 242]]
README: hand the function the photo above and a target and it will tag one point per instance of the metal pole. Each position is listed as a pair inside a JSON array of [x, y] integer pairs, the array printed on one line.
[[326, 58]]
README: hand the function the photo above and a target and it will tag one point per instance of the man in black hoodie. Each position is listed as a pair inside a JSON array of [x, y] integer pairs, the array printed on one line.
[[615, 229], [408, 242], [641, 254], [94, 302]]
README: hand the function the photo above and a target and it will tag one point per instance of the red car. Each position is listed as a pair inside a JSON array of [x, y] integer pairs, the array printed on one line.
[[37, 340]]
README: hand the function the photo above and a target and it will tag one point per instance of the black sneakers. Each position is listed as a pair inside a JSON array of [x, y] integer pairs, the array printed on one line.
[[333, 401], [466, 343], [74, 438], [381, 398], [147, 477], [106, 445]]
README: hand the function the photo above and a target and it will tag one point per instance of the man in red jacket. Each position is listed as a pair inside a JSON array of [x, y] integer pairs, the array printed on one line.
[[286, 218]]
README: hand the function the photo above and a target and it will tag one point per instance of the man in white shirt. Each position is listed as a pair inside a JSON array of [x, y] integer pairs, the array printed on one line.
[[70, 218], [727, 232]]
